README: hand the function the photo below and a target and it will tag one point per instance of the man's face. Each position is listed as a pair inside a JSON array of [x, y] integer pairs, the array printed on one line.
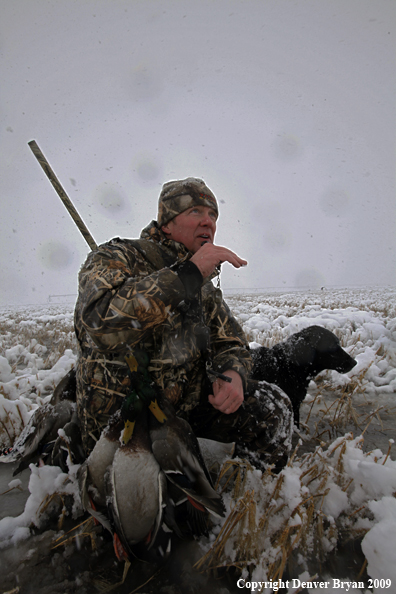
[[192, 227]]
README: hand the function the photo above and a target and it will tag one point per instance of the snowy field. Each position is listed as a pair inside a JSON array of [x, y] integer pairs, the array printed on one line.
[[341, 481]]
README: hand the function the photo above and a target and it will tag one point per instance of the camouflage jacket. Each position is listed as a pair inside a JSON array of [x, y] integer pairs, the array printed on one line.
[[146, 294]]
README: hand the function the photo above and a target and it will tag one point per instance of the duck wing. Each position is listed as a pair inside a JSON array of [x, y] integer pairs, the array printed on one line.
[[40, 433], [182, 516], [101, 458], [215, 453], [86, 502], [177, 451], [162, 487]]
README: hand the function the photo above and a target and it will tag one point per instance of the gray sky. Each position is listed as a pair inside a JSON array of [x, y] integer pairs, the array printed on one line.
[[285, 108]]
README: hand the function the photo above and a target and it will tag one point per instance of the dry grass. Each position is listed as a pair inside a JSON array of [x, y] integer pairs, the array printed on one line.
[[32, 340], [334, 410], [29, 332], [85, 529], [379, 300], [262, 529]]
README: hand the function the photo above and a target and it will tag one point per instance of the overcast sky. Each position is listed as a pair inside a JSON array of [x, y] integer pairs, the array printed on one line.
[[287, 109]]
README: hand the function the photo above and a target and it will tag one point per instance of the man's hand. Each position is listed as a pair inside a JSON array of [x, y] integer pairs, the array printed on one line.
[[227, 397], [209, 256]]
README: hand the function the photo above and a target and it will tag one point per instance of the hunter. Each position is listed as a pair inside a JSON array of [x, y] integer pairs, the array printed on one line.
[[156, 294]]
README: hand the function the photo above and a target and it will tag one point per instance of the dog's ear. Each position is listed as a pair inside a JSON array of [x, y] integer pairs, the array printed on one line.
[[302, 355]]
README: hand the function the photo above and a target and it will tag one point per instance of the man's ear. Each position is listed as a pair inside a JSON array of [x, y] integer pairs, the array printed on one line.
[[165, 229]]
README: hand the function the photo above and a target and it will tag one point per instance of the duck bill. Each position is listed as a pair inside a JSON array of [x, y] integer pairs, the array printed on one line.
[[157, 411], [127, 431], [132, 363]]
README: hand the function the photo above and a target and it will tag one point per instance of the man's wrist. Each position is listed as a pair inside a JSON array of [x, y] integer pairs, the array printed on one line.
[[190, 276]]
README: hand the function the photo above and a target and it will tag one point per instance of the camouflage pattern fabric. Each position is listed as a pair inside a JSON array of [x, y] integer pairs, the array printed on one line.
[[131, 295], [262, 427], [179, 195]]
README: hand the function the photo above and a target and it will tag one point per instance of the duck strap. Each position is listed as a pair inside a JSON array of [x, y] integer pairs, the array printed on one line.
[[141, 382], [144, 393]]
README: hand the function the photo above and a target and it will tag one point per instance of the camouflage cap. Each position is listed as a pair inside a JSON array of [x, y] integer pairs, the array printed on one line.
[[179, 195]]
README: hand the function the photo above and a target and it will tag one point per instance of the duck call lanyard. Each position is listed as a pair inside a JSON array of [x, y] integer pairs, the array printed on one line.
[[202, 334]]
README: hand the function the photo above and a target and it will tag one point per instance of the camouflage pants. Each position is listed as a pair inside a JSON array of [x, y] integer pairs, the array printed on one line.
[[262, 427]]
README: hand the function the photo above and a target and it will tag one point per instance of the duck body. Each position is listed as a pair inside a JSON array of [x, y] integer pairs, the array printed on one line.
[[178, 453], [41, 439], [122, 486], [135, 489], [41, 433], [154, 486], [102, 457], [173, 442]]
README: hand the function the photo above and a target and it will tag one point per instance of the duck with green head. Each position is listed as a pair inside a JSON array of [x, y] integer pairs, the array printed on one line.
[[173, 442], [144, 393], [144, 449], [123, 488]]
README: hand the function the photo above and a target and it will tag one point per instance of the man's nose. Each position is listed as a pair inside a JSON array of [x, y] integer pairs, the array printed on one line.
[[207, 221]]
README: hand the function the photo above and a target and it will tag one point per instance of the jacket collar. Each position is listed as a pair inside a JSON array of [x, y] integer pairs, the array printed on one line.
[[154, 233]]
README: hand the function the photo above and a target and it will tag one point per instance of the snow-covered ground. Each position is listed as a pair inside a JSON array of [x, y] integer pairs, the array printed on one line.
[[340, 483]]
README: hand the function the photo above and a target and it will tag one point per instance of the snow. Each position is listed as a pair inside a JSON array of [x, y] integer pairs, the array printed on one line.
[[378, 544], [44, 482], [357, 469]]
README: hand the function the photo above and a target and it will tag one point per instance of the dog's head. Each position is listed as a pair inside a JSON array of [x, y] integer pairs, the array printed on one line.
[[317, 348]]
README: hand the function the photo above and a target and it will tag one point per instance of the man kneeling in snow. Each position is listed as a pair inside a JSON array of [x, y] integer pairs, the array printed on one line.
[[155, 294]]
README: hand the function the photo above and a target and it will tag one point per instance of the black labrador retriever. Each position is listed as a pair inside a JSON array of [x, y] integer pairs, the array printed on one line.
[[293, 363]]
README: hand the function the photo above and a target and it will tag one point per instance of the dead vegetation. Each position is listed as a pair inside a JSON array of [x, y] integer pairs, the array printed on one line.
[[262, 529], [26, 335]]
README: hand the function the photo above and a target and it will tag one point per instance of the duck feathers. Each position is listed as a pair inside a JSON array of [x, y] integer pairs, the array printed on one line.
[[177, 451], [135, 489], [86, 500], [102, 457], [39, 435]]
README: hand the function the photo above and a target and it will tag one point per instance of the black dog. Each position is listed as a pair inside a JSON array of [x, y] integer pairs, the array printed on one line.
[[292, 364]]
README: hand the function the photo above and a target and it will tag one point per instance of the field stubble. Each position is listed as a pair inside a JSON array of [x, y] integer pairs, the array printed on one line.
[[262, 528]]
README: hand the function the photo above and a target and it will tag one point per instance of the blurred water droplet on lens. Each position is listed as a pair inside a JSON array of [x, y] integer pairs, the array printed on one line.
[[277, 241], [147, 169], [55, 255], [334, 202], [144, 83], [287, 147], [110, 200]]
